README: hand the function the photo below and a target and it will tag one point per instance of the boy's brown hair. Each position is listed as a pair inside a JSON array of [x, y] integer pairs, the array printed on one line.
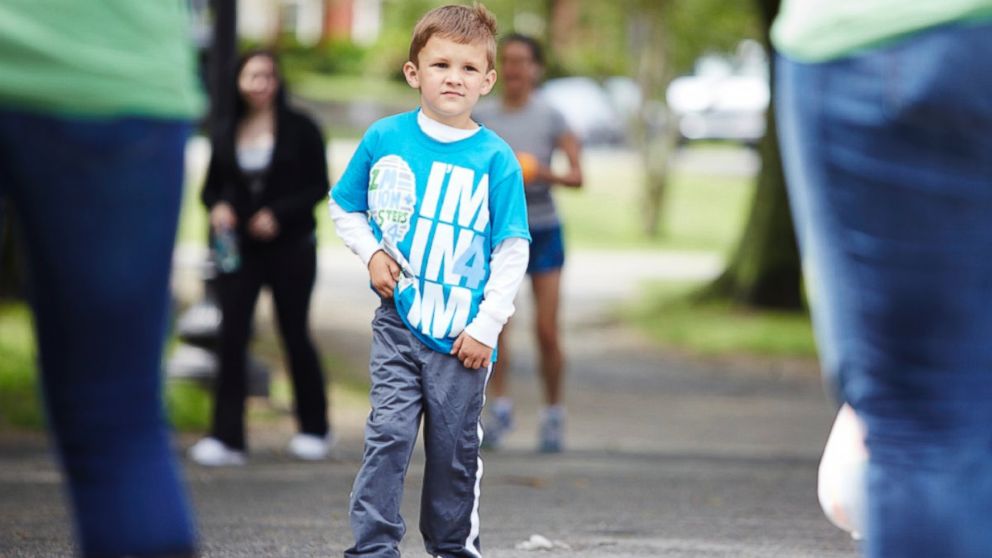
[[462, 24]]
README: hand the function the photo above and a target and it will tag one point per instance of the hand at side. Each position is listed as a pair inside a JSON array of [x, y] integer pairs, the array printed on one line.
[[473, 354], [384, 273]]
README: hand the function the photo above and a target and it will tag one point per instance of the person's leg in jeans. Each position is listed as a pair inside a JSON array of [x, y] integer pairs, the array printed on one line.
[[98, 202], [292, 277], [889, 160], [238, 293]]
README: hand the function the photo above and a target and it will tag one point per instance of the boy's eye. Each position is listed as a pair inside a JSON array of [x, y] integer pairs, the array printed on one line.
[[470, 69], [440, 64]]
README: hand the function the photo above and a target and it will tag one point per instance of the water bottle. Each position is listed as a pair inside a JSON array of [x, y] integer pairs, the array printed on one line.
[[226, 253]]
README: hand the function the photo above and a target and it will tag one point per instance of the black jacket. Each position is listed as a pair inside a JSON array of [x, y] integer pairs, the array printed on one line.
[[294, 182]]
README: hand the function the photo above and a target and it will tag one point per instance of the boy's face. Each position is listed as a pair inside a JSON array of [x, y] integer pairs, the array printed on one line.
[[451, 77]]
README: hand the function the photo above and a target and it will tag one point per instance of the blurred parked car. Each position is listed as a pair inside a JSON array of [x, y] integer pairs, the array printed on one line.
[[625, 96], [724, 99], [587, 108]]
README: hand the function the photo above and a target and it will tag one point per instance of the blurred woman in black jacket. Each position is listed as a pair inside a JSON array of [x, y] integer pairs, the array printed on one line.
[[265, 176]]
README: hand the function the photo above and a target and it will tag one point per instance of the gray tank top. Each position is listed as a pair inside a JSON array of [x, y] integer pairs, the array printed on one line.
[[533, 128]]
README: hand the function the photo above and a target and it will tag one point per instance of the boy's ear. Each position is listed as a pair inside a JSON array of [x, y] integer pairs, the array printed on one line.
[[489, 82], [410, 72]]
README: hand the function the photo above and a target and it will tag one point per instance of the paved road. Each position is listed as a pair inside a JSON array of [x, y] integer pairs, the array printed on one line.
[[668, 456]]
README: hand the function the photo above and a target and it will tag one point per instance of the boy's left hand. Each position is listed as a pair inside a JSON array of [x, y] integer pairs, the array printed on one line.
[[472, 353]]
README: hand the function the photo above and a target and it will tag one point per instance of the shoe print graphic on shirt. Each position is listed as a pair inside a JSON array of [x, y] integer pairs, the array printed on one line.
[[392, 196]]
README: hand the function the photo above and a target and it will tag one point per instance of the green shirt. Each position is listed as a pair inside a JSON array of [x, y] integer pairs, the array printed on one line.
[[817, 30], [98, 58]]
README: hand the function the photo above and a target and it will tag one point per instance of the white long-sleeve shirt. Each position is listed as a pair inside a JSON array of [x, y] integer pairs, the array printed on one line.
[[508, 262]]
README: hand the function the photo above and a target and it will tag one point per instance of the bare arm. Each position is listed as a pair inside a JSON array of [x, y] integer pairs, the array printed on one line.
[[572, 148]]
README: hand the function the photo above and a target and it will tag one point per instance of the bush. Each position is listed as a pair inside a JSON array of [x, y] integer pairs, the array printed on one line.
[[333, 57]]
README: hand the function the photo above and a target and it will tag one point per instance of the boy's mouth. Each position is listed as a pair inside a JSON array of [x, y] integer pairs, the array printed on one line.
[[452, 93]]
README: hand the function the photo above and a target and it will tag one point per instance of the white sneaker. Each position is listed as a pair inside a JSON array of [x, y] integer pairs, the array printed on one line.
[[498, 424], [211, 452], [308, 447]]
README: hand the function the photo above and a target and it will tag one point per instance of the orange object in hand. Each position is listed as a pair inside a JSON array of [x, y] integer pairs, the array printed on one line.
[[529, 164]]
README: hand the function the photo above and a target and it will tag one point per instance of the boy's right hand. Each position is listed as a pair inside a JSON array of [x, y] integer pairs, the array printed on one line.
[[384, 273]]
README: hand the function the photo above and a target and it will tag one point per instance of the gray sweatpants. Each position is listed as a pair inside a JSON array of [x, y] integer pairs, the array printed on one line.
[[409, 380]]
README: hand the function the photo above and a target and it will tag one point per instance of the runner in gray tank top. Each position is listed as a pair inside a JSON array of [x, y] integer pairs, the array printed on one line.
[[534, 130]]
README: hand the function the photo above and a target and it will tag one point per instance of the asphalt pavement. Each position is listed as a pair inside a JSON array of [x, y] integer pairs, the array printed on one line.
[[666, 455]]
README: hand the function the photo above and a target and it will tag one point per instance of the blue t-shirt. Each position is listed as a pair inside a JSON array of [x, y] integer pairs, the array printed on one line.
[[445, 207]]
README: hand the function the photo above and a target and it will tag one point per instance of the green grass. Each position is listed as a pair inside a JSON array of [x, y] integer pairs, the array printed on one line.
[[192, 218], [188, 406], [671, 316], [19, 403], [346, 88], [700, 212]]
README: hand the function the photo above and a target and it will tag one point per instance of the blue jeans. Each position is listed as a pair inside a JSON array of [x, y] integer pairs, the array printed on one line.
[[98, 201], [888, 155]]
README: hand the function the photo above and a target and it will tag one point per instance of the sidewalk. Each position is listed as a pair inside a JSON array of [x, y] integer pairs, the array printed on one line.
[[666, 456]]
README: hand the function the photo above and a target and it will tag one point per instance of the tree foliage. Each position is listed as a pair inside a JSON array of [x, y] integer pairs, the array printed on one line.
[[701, 26], [599, 39]]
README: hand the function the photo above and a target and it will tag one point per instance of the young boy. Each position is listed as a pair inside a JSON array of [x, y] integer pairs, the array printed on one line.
[[434, 206]]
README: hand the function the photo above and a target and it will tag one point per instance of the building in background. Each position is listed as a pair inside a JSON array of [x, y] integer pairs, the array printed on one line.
[[310, 21]]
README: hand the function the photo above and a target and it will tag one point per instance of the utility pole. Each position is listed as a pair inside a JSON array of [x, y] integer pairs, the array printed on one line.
[[221, 61], [196, 357]]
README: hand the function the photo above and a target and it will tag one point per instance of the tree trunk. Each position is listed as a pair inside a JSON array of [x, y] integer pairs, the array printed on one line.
[[765, 269], [656, 156], [649, 40], [563, 21], [222, 61]]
